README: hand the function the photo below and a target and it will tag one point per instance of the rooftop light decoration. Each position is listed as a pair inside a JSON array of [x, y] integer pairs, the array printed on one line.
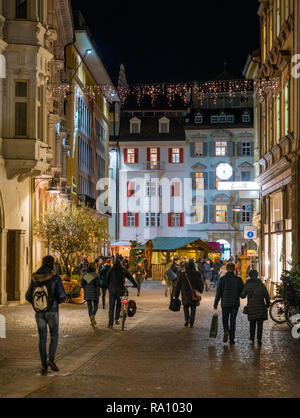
[[266, 86]]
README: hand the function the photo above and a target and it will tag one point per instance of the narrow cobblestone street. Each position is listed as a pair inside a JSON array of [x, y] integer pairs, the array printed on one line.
[[155, 357]]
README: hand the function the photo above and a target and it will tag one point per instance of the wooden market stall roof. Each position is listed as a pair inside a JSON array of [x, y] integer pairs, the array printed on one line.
[[179, 243]]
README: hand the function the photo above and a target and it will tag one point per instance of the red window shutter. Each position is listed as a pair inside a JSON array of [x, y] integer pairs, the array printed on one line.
[[148, 155], [136, 155], [181, 155], [170, 219], [158, 154], [136, 219], [181, 219], [124, 219], [176, 189], [125, 155], [172, 190], [130, 188], [170, 155]]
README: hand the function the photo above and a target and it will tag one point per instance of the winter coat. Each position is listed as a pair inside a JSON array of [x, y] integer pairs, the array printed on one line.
[[216, 267], [258, 299], [116, 280], [57, 288], [183, 287], [229, 291], [139, 275], [207, 272], [91, 286], [104, 276]]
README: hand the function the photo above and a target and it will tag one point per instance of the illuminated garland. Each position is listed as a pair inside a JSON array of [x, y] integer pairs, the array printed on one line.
[[266, 86]]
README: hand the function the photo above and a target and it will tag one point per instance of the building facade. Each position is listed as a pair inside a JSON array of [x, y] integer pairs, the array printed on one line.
[[277, 101], [220, 137], [33, 35]]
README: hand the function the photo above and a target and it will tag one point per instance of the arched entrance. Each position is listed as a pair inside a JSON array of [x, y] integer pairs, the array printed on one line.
[[226, 249]]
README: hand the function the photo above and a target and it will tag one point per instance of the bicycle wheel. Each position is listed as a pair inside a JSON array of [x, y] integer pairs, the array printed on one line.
[[289, 312], [277, 311], [123, 320]]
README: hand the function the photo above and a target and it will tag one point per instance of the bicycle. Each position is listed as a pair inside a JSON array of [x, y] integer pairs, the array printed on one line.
[[72, 294], [277, 310], [283, 309], [124, 306]]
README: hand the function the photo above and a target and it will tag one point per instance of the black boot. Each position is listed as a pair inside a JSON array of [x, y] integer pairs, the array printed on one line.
[[44, 370], [52, 364]]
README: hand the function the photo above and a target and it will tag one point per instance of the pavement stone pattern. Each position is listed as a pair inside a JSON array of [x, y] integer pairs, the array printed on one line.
[[156, 356]]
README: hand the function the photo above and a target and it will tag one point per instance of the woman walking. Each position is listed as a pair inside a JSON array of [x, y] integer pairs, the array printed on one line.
[[103, 274], [91, 285], [139, 276], [190, 278], [207, 273], [258, 304]]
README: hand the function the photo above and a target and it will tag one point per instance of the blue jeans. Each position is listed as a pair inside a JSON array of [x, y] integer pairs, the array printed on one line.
[[45, 320], [114, 299], [92, 306], [229, 315]]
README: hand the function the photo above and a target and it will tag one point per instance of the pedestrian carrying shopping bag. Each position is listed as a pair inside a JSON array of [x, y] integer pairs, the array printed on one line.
[[214, 326]]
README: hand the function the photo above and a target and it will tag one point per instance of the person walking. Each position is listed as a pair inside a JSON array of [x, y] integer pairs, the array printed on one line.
[[103, 275], [207, 273], [258, 304], [116, 286], [215, 272], [45, 293], [84, 266], [125, 263], [139, 276], [176, 267], [91, 286], [190, 278], [229, 290]]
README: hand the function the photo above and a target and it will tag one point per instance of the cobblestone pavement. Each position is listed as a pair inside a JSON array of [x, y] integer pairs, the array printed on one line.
[[155, 357]]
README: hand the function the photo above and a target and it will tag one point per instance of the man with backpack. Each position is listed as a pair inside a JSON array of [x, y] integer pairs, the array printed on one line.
[[45, 293]]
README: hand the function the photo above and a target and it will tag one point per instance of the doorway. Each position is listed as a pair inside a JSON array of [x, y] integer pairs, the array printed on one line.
[[13, 267]]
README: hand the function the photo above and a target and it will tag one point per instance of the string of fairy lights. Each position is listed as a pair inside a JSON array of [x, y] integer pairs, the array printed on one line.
[[172, 91]]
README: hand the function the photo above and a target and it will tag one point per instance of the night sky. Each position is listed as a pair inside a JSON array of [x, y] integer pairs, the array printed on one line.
[[161, 42]]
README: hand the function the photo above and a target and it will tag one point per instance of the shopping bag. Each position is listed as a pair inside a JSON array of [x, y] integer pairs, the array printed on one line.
[[163, 282], [214, 326], [175, 305], [171, 275]]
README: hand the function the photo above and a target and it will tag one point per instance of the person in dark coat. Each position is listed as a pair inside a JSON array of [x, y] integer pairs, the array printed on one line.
[[51, 317], [216, 269], [116, 287], [125, 263], [229, 290], [258, 304], [207, 273], [103, 275], [183, 287], [176, 267], [91, 286], [139, 276]]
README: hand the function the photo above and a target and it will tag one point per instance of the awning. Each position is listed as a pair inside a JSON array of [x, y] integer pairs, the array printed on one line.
[[121, 244], [178, 243]]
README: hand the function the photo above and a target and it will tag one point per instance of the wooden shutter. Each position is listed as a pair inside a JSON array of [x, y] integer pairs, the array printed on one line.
[[193, 181], [192, 149], [125, 219], [239, 149], [170, 155], [170, 219], [181, 156], [212, 180], [212, 214], [229, 214], [205, 218], [181, 220], [136, 219], [130, 188], [212, 149], [148, 155], [125, 156], [252, 149], [205, 176], [158, 154], [205, 144], [172, 190], [229, 151], [136, 155]]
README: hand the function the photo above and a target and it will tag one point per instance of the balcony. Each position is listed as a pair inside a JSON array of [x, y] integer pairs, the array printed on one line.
[[154, 166]]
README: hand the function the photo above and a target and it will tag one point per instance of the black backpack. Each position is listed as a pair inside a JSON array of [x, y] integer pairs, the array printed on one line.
[[42, 297], [131, 308]]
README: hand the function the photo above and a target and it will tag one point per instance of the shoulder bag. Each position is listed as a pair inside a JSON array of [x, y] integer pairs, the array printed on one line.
[[196, 295]]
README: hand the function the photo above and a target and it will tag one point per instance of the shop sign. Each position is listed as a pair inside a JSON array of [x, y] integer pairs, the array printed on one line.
[[238, 185]]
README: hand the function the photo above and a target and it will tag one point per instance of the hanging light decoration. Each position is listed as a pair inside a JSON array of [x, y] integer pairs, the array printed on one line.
[[266, 86]]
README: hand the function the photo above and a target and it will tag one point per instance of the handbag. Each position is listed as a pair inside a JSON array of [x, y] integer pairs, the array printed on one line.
[[175, 305], [196, 295], [246, 309], [214, 326], [171, 275]]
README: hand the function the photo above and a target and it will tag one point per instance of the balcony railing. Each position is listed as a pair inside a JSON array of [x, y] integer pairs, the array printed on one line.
[[154, 166]]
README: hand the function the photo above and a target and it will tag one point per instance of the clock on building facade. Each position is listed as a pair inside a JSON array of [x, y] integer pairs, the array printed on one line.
[[224, 171]]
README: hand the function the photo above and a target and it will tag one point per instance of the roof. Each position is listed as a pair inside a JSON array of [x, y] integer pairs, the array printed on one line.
[[176, 243], [150, 130]]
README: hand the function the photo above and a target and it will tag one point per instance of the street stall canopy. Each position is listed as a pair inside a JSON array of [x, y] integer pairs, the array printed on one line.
[[177, 243]]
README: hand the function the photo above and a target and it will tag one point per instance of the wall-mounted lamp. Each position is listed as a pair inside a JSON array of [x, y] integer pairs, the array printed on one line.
[[87, 52]]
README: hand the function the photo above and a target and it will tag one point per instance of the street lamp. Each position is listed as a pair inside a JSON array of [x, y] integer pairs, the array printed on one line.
[[87, 52]]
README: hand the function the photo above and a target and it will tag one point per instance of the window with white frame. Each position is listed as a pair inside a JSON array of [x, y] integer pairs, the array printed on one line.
[[198, 119], [221, 148], [176, 219], [130, 219], [199, 214], [246, 117], [246, 175], [152, 220], [246, 149], [230, 119], [214, 119], [131, 156], [246, 214], [198, 149], [153, 158], [221, 213], [222, 118], [135, 126], [164, 126], [199, 181], [175, 155], [153, 189]]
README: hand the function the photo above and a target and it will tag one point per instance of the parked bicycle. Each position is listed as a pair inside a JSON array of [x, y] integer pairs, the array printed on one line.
[[285, 307]]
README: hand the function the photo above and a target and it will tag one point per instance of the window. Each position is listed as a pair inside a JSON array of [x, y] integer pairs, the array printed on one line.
[[278, 115], [246, 176], [175, 189], [164, 126], [199, 149], [214, 119], [131, 156], [21, 9], [154, 163], [221, 148], [175, 155], [230, 119], [221, 213], [246, 117], [40, 113], [152, 220], [176, 220], [130, 219], [21, 108], [199, 181], [153, 188], [246, 214], [135, 126], [198, 119], [286, 108], [222, 118], [246, 149], [199, 214]]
